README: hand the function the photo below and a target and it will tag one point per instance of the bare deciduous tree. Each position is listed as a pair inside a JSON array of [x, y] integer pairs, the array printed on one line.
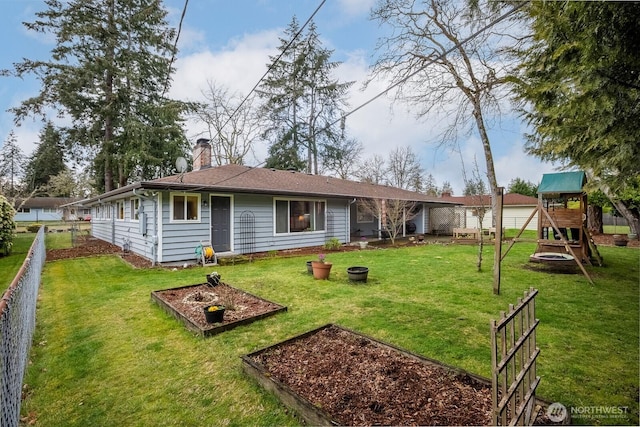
[[342, 158], [372, 170], [404, 170], [232, 124], [445, 58]]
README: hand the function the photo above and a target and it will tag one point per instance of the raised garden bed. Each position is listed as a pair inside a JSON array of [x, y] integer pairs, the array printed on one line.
[[334, 376], [186, 304]]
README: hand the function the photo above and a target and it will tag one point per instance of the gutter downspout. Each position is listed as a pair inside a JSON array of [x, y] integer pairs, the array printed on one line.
[[154, 237]]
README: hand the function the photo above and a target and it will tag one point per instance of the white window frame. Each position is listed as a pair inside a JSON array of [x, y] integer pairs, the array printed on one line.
[[120, 210], [172, 196], [294, 199], [134, 206]]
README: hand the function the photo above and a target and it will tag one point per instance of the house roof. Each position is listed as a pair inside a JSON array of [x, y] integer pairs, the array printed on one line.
[[563, 182], [509, 199], [44, 202], [255, 180]]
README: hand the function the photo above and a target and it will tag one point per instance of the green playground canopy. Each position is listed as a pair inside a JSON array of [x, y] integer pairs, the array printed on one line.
[[563, 182]]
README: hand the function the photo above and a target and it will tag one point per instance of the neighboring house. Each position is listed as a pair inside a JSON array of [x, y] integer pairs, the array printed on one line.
[[516, 209], [38, 209], [241, 209]]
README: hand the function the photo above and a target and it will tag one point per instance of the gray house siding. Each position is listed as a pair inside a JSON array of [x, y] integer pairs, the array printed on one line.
[[137, 234], [178, 240], [252, 226]]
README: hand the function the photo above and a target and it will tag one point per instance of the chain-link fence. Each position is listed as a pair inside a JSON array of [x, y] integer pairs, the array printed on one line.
[[17, 323]]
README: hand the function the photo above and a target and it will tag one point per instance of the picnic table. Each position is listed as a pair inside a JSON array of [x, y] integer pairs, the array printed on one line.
[[468, 233]]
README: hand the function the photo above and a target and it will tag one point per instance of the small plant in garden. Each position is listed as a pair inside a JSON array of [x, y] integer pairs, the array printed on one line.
[[333, 243], [215, 308], [321, 258], [229, 303]]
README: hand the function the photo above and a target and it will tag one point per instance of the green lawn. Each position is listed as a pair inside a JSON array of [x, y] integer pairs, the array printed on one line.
[[10, 264], [104, 354]]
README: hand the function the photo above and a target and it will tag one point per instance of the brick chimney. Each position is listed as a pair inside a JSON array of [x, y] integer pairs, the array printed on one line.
[[202, 154]]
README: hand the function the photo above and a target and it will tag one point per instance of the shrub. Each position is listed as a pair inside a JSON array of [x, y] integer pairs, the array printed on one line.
[[332, 244], [33, 228], [7, 225]]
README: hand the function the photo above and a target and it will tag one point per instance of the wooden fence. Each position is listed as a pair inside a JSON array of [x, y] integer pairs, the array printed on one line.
[[513, 356]]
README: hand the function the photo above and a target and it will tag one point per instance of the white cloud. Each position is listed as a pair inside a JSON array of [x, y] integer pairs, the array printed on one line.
[[378, 126]]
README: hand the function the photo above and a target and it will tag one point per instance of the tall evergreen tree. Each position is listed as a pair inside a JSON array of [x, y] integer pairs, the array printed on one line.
[[520, 186], [580, 89], [47, 160], [11, 166], [302, 98], [108, 73]]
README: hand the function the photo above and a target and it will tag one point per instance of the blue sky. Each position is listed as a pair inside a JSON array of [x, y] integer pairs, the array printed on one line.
[[229, 42]]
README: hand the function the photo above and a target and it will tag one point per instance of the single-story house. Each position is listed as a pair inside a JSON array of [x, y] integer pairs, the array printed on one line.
[[242, 209], [38, 209], [516, 209]]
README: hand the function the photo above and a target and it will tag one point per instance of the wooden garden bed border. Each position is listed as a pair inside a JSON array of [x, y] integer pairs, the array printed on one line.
[[216, 328], [311, 414]]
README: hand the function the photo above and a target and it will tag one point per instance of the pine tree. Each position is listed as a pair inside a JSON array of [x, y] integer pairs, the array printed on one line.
[[302, 99], [108, 73], [11, 166], [580, 91], [47, 160]]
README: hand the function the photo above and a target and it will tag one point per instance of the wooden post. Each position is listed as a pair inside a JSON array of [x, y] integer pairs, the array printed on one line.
[[497, 256]]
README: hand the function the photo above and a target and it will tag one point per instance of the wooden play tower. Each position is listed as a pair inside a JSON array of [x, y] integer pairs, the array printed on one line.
[[562, 216], [562, 222]]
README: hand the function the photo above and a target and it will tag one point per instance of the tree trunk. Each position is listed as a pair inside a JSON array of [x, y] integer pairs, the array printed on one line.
[[632, 217], [108, 120], [488, 156], [594, 219], [632, 220]]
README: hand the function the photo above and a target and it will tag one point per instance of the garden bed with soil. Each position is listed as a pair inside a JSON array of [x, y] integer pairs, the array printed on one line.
[[187, 304], [332, 375]]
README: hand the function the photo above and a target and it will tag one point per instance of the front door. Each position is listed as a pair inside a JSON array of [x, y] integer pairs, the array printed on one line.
[[221, 223]]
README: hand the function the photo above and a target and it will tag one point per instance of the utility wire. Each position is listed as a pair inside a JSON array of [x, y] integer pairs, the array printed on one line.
[[398, 83], [273, 64], [439, 57], [175, 48]]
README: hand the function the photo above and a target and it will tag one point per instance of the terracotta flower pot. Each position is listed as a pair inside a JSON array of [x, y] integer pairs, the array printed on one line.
[[321, 270]]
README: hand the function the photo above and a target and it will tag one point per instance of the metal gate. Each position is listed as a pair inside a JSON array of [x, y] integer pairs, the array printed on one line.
[[247, 233]]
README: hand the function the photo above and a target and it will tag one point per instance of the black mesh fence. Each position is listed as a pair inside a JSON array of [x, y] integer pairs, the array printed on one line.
[[17, 323]]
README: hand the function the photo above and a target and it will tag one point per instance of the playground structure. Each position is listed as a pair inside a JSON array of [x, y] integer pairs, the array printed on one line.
[[562, 234]]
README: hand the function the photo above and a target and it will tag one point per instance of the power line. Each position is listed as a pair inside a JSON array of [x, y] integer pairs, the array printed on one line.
[[393, 86], [273, 64], [442, 55], [175, 47]]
